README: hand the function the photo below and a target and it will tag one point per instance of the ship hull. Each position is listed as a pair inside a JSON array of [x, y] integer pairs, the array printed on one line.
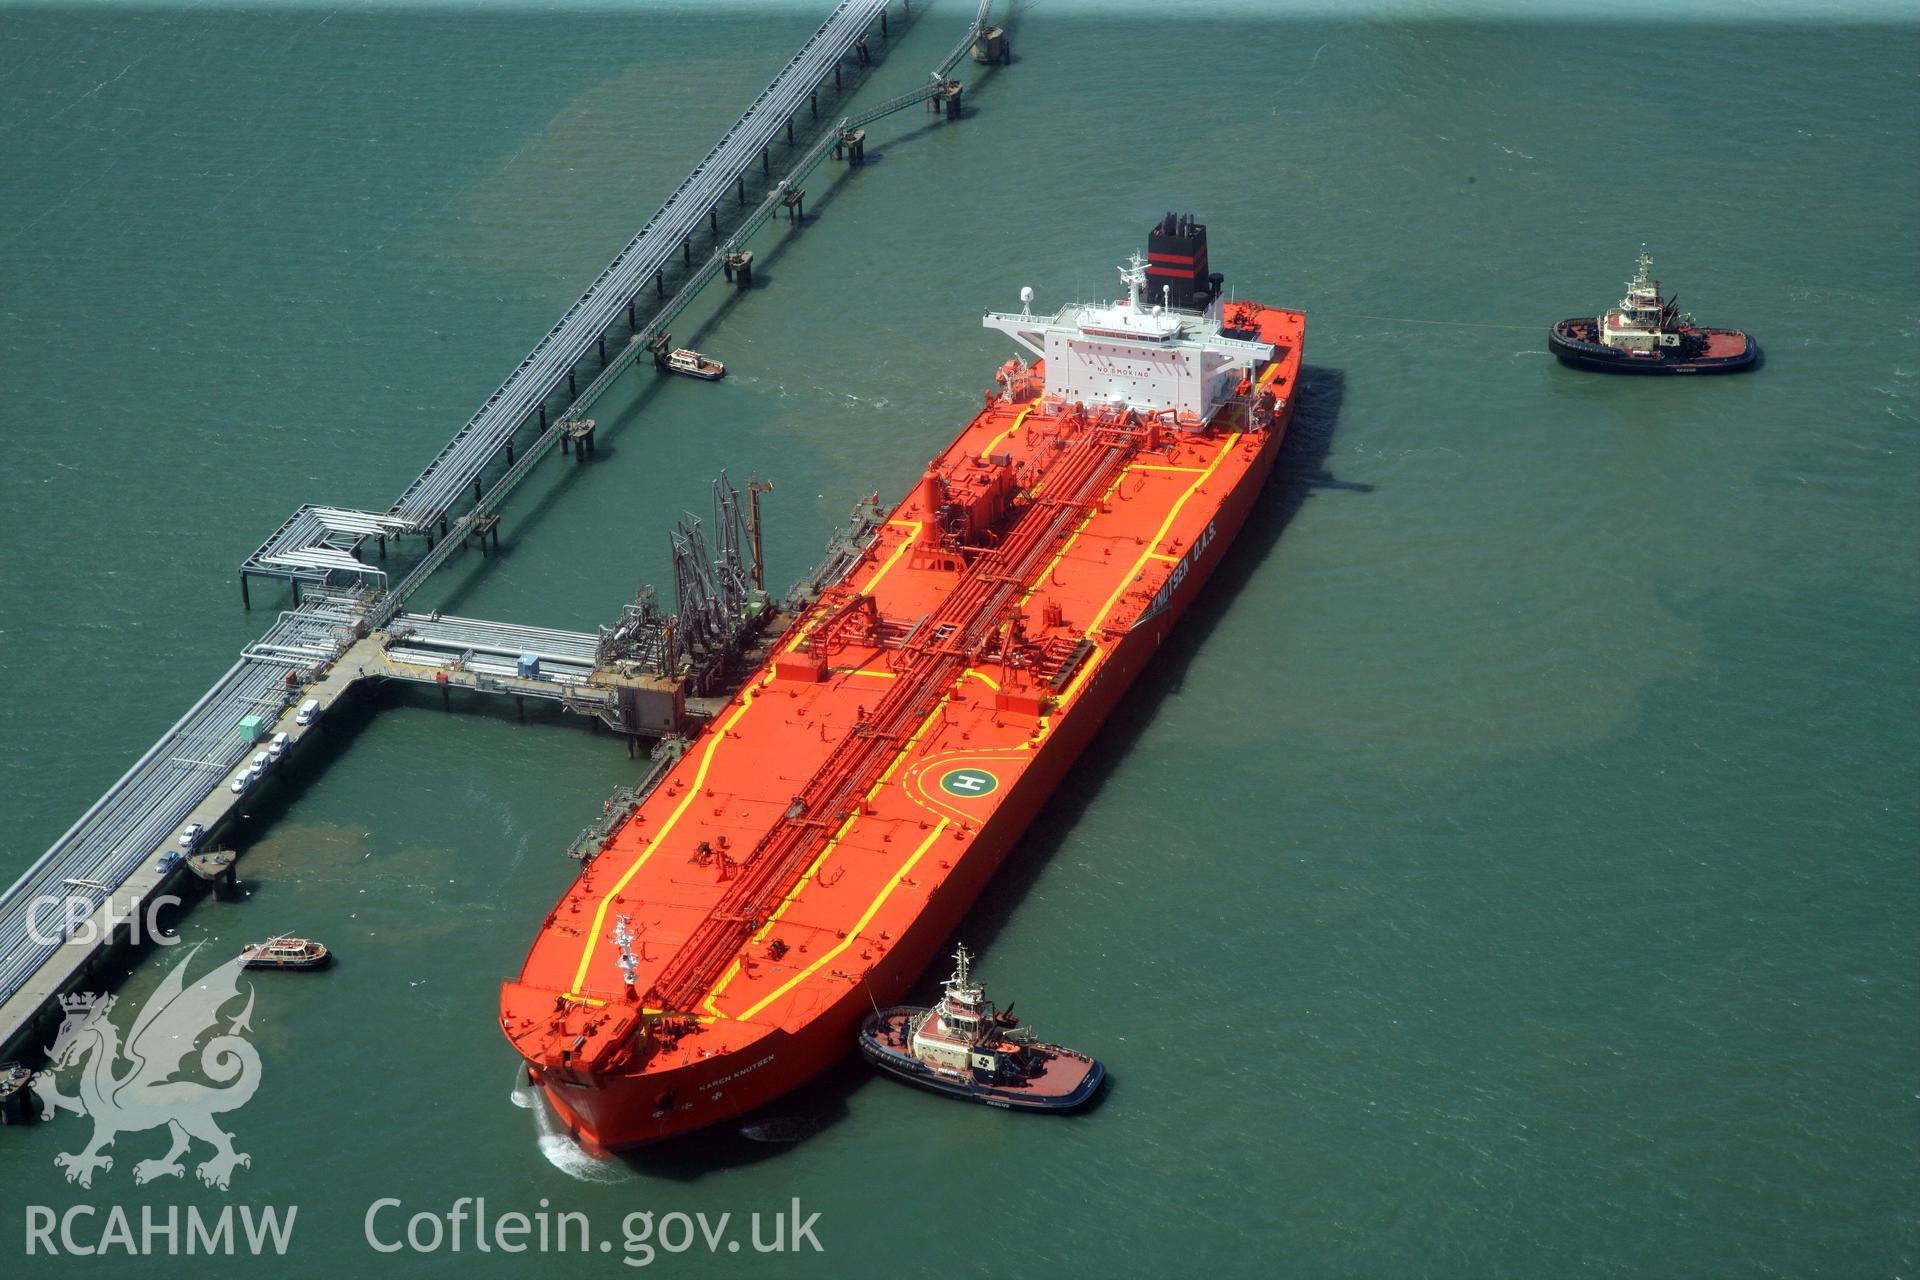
[[1725, 351], [614, 1112]]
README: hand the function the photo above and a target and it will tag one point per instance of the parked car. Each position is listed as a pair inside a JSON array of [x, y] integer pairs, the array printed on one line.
[[278, 746], [168, 861], [191, 836]]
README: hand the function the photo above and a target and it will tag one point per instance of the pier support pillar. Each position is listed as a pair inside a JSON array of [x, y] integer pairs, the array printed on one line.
[[659, 284], [383, 537], [570, 387], [603, 350], [766, 161], [631, 322], [713, 220], [836, 78], [543, 417], [789, 130], [813, 103], [686, 251], [883, 22], [740, 189], [476, 488], [509, 461], [860, 52], [295, 583]]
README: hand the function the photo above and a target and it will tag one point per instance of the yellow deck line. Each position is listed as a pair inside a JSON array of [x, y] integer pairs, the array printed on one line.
[[873, 908], [1099, 653], [813, 869], [733, 966], [927, 800], [1126, 582], [706, 759], [1087, 668], [1018, 418], [619, 886], [906, 544], [1074, 537]]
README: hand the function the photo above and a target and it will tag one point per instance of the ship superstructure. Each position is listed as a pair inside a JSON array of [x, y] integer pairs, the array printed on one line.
[[1139, 353], [820, 841]]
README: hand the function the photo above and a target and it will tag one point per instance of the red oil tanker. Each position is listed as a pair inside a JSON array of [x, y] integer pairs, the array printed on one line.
[[816, 846]]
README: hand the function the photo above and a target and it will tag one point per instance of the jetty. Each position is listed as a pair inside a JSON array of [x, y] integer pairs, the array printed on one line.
[[649, 673]]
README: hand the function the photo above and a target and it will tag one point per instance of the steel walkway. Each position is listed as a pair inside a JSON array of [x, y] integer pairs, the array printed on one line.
[[428, 499], [140, 815], [109, 855]]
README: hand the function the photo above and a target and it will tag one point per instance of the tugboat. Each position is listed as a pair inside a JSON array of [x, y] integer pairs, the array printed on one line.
[[1647, 333], [691, 364], [965, 1048], [287, 953]]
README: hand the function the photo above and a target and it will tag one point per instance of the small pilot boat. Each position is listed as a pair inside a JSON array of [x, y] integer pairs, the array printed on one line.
[[287, 953], [692, 364], [965, 1048]]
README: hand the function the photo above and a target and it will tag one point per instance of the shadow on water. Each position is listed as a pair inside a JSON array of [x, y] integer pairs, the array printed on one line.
[[1298, 475]]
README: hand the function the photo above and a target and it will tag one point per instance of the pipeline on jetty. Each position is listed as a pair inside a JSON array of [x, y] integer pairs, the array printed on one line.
[[348, 620]]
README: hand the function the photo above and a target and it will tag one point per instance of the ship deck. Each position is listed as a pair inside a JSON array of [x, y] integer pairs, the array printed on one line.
[[922, 776]]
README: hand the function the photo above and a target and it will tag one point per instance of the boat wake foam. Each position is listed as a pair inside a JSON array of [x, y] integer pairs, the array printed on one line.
[[560, 1150]]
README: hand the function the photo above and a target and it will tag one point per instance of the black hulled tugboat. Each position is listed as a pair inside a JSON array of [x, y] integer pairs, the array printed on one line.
[[1648, 334], [965, 1048]]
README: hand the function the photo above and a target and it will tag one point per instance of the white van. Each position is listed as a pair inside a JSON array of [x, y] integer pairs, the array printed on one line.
[[309, 712], [278, 746], [260, 759]]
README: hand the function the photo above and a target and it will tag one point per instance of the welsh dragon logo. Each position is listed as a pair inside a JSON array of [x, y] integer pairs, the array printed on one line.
[[145, 1095]]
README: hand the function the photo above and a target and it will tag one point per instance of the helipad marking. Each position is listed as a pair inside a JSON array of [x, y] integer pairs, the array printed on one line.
[[969, 782]]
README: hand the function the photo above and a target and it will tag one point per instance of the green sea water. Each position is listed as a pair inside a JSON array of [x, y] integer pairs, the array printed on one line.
[[1508, 870]]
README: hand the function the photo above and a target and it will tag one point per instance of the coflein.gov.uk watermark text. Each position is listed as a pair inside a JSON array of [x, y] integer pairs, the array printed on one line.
[[465, 1226]]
